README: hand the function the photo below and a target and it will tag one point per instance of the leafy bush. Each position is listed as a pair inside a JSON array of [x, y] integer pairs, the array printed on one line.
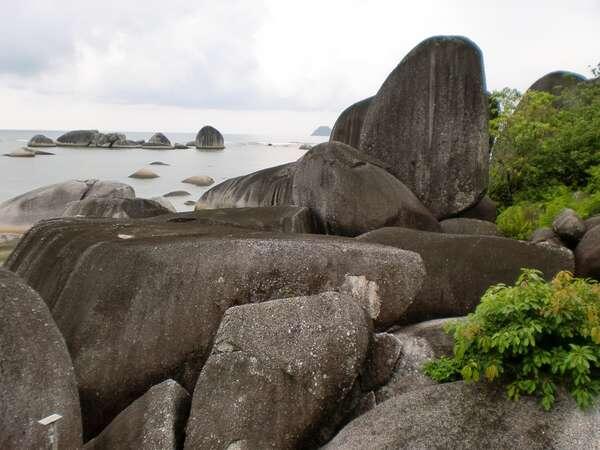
[[532, 337]]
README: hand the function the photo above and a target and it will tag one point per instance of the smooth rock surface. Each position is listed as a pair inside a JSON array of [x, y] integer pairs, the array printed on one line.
[[209, 138], [21, 153], [469, 226], [485, 209], [37, 376], [126, 295], [546, 236], [322, 130], [199, 180], [157, 140], [78, 138], [351, 193], [154, 421], [460, 268], [117, 208], [177, 194], [144, 174], [429, 123], [470, 416], [39, 140], [348, 126], [569, 227], [277, 370], [587, 255]]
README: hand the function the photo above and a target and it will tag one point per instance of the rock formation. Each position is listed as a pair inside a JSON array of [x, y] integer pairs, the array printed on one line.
[[21, 153], [158, 140], [555, 82], [199, 180], [485, 209], [38, 379], [116, 208], [144, 174], [209, 138], [322, 130], [78, 138], [39, 140], [469, 226], [428, 122], [348, 126]]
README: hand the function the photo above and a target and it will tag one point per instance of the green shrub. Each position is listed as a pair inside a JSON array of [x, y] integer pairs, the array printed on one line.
[[532, 337]]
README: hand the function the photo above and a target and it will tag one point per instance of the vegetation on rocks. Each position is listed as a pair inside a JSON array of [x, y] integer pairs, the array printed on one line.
[[534, 338]]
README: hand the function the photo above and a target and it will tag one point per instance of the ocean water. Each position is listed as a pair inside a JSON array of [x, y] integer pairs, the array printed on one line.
[[243, 154]]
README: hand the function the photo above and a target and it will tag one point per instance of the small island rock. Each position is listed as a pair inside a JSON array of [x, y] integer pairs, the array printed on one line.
[[209, 138]]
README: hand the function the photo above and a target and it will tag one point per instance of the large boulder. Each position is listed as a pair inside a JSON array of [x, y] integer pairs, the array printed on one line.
[[140, 301], [277, 371], [39, 140], [348, 126], [429, 122], [470, 416], [109, 139], [158, 140], [351, 193], [587, 255], [50, 201], [546, 236], [485, 209], [555, 82], [322, 130], [469, 226], [156, 420], [267, 187], [460, 268], [78, 138], [38, 379], [569, 227], [209, 138], [117, 208]]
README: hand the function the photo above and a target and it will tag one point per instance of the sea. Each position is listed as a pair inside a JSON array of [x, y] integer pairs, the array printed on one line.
[[243, 154]]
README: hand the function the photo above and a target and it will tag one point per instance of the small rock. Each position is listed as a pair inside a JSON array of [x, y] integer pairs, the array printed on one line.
[[144, 174], [39, 140], [199, 180], [189, 203], [178, 146], [21, 153], [569, 226], [158, 140], [177, 194]]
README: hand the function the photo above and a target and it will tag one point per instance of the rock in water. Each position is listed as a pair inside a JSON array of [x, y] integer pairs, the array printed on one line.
[[268, 187], [117, 208], [429, 123], [158, 140], [37, 374], [555, 82], [209, 138], [587, 254], [21, 153], [126, 295], [156, 420], [469, 226], [199, 180], [108, 140], [144, 174], [323, 130], [50, 201], [78, 138], [471, 417], [348, 126], [39, 140], [351, 193], [276, 371], [460, 268]]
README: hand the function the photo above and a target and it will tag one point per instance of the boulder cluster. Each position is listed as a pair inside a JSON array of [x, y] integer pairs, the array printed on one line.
[[295, 307]]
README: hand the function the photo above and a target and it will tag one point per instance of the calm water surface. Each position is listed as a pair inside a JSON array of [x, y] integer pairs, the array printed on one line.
[[243, 154]]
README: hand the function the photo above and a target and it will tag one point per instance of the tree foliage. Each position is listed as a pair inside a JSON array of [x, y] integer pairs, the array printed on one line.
[[533, 337]]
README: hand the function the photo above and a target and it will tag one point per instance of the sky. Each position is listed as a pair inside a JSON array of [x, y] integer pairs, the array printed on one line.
[[255, 66]]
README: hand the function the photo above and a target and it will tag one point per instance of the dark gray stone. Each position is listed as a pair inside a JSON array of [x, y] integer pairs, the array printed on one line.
[[470, 416], [209, 138], [546, 236], [109, 139], [159, 163], [21, 153], [555, 82], [177, 194], [276, 371], [569, 227], [429, 122], [351, 193], [485, 209], [177, 146], [460, 268], [37, 377], [348, 126], [117, 208], [587, 255], [469, 226], [140, 301], [39, 140], [268, 187], [381, 362], [591, 222], [156, 420], [50, 201], [78, 138], [157, 140], [322, 130]]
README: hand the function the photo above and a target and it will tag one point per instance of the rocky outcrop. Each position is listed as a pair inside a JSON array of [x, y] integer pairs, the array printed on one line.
[[39, 140], [149, 320], [428, 122], [469, 226], [199, 180], [156, 420], [348, 126], [322, 130], [158, 140], [268, 187], [460, 268], [293, 359], [555, 82], [50, 201], [209, 138], [78, 138], [569, 227], [38, 379], [144, 174], [485, 209], [117, 208], [109, 139], [351, 193], [470, 416]]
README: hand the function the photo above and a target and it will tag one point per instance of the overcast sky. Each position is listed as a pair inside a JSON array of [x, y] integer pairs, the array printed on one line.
[[255, 66]]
